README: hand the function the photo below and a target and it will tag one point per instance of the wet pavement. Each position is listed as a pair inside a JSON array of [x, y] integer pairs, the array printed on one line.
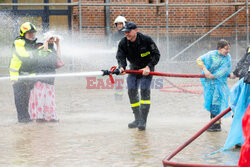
[[92, 130]]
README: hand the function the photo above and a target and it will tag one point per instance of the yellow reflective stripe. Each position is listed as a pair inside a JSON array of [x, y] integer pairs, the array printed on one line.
[[145, 54], [32, 74], [135, 104], [43, 50], [20, 49], [14, 76], [145, 101], [13, 70], [248, 50], [15, 63]]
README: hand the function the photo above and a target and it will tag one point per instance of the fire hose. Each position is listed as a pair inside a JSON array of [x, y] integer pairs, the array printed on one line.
[[116, 71], [180, 88], [166, 161]]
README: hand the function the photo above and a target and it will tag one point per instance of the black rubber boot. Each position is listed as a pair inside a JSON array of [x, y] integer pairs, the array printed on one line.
[[135, 123], [144, 116], [216, 127]]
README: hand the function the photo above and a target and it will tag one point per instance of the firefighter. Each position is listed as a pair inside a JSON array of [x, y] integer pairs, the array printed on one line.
[[142, 53], [119, 22], [21, 64]]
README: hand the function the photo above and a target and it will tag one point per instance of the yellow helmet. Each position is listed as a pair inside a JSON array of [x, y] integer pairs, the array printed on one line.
[[27, 27]]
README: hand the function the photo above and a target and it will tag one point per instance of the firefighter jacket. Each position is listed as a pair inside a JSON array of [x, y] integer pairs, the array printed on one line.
[[22, 57], [141, 53], [117, 36], [115, 39], [243, 67], [45, 64]]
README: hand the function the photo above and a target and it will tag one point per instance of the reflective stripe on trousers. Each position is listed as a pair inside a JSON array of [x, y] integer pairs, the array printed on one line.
[[134, 82]]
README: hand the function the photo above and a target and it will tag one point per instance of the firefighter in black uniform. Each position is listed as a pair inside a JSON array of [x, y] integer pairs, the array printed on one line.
[[143, 54], [22, 61]]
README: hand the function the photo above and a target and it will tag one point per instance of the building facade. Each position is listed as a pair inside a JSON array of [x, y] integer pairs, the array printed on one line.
[[182, 20]]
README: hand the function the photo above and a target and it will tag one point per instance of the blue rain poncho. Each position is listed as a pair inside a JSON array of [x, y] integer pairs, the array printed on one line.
[[239, 101], [216, 91]]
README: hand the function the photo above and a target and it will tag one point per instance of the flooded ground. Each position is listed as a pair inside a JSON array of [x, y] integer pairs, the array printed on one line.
[[93, 131]]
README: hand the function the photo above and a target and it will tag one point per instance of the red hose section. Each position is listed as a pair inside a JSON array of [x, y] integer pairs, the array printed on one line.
[[180, 88], [167, 74], [171, 75], [183, 85], [166, 160]]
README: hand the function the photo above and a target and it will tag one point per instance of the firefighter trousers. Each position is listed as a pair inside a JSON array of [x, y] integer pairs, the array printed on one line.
[[21, 96], [134, 82]]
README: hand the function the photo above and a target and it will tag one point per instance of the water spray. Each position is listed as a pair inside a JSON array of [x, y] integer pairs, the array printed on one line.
[[78, 74]]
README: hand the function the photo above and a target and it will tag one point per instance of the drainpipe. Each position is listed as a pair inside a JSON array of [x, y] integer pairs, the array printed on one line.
[[157, 23], [107, 18], [167, 30], [247, 10], [236, 33]]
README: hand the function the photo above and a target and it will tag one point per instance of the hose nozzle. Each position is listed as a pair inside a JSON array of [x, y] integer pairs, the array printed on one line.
[[106, 72]]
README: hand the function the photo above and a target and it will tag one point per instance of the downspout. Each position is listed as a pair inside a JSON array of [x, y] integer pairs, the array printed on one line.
[[80, 17], [107, 18], [157, 23], [236, 33], [167, 30], [247, 12]]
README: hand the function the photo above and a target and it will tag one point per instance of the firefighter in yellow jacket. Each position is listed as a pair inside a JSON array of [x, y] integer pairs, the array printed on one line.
[[21, 64]]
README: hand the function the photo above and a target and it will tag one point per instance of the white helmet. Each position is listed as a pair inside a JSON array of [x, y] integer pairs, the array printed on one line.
[[120, 19]]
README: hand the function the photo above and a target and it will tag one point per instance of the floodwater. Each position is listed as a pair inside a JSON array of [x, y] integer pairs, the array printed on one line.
[[93, 132]]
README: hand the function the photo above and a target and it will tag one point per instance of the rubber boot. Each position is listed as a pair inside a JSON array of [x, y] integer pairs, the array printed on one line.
[[136, 112], [216, 127], [144, 116]]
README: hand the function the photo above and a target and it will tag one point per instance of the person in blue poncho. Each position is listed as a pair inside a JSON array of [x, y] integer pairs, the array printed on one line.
[[239, 100], [216, 66]]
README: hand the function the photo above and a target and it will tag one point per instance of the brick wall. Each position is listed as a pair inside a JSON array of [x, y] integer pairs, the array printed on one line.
[[183, 21]]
